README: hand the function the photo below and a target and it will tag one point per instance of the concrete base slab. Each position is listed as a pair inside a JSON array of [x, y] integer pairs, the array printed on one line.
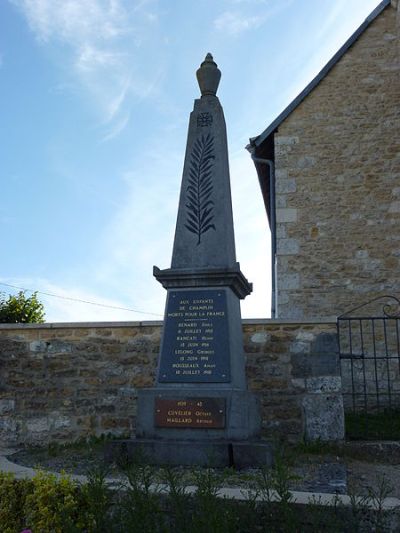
[[191, 453]]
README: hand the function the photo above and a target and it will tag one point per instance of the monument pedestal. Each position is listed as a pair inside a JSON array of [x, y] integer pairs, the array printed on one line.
[[212, 414], [205, 427], [200, 411]]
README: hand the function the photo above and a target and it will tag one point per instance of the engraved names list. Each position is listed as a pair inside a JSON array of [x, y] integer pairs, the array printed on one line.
[[195, 346]]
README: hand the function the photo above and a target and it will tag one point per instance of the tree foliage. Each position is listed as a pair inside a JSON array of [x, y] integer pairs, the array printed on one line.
[[19, 308]]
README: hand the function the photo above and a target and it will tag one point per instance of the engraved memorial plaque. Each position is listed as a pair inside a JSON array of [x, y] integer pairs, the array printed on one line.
[[203, 413], [195, 346]]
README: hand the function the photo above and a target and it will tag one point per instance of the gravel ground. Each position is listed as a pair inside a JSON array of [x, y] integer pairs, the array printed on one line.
[[73, 461], [362, 475]]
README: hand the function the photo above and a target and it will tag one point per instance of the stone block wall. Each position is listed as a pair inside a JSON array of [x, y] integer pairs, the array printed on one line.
[[337, 158], [67, 382], [60, 382], [295, 369]]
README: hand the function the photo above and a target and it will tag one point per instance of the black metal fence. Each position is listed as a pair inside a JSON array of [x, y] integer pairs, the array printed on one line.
[[369, 350]]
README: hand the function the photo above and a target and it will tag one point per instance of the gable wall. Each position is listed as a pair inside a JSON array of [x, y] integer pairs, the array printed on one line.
[[337, 160]]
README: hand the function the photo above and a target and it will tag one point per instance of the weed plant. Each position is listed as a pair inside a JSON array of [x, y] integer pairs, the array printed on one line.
[[179, 500], [142, 503]]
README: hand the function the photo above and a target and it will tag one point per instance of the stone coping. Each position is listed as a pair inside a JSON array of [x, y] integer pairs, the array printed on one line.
[[149, 323], [78, 325]]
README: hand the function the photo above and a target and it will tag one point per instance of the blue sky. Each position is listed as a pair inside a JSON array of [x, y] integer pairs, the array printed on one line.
[[95, 97]]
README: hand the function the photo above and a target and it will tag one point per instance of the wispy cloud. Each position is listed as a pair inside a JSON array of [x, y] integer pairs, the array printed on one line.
[[332, 33], [101, 39], [90, 58], [77, 21], [116, 104], [117, 128], [140, 233], [245, 15], [149, 205], [233, 22]]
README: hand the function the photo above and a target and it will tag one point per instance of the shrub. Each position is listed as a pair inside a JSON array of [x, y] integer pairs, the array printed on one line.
[[53, 504], [21, 309], [12, 497]]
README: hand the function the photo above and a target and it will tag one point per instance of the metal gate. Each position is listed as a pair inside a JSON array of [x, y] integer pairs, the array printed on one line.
[[369, 350]]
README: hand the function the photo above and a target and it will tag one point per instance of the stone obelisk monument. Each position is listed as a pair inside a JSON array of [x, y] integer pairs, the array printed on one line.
[[200, 410]]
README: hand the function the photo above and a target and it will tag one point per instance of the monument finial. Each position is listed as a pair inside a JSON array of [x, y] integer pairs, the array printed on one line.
[[208, 76]]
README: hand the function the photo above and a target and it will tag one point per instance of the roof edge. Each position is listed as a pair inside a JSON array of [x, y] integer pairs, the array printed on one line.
[[255, 142]]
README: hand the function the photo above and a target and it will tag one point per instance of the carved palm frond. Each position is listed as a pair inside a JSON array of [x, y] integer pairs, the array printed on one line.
[[199, 206]]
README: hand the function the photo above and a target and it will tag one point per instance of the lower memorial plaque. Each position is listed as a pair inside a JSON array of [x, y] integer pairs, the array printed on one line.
[[190, 412]]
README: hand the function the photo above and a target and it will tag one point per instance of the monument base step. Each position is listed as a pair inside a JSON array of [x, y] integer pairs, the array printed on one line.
[[237, 454]]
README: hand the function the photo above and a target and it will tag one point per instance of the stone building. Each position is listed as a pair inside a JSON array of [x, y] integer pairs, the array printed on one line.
[[334, 203]]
